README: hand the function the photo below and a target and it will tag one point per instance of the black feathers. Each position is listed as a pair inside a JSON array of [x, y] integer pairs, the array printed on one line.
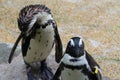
[[75, 47]]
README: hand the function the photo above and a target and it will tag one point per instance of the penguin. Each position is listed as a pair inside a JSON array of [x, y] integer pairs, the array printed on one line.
[[77, 63], [39, 34]]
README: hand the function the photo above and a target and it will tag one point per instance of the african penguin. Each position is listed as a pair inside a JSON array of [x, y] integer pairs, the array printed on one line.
[[77, 64], [39, 33]]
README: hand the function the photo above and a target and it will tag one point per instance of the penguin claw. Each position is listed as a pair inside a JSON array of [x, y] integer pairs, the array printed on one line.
[[31, 77], [46, 74]]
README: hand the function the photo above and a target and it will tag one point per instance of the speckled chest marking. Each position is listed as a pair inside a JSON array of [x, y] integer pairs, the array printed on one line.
[[69, 74], [41, 46]]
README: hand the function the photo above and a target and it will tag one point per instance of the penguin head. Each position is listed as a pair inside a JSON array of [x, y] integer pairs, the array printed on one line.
[[75, 47], [32, 17]]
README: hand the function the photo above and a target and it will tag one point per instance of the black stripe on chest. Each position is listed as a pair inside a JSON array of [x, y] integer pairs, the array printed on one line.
[[75, 67], [82, 68]]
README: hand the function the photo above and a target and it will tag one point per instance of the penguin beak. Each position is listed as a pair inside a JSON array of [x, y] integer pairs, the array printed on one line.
[[79, 52], [14, 47]]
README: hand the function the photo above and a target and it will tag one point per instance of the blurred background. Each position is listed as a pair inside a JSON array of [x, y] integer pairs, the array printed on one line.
[[97, 21]]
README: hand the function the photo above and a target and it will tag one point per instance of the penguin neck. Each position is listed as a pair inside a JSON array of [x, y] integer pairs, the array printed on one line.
[[75, 62]]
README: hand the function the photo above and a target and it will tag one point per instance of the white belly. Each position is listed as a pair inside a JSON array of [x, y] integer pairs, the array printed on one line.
[[41, 46], [68, 74]]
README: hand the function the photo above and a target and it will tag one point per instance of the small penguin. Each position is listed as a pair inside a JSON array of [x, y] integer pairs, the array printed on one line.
[[39, 33], [77, 64]]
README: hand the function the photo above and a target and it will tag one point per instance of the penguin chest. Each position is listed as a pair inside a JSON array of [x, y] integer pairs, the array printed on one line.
[[41, 45], [69, 74]]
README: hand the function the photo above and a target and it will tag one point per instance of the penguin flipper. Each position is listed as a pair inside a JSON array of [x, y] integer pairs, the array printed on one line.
[[14, 47], [96, 71], [25, 45], [58, 45], [58, 72]]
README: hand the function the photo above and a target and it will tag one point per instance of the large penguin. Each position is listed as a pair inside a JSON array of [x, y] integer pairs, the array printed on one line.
[[39, 33]]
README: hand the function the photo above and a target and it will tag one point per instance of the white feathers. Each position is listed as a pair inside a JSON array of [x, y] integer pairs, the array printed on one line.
[[69, 74], [81, 60], [80, 42], [41, 18], [41, 45], [72, 42]]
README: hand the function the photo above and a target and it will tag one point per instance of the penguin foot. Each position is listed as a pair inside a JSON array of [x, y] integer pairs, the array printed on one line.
[[31, 75], [46, 72]]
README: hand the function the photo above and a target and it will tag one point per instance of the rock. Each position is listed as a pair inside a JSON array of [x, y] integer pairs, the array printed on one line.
[[5, 49], [16, 69], [13, 71]]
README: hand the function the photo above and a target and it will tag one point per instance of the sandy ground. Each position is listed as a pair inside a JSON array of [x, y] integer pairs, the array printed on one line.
[[98, 22]]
